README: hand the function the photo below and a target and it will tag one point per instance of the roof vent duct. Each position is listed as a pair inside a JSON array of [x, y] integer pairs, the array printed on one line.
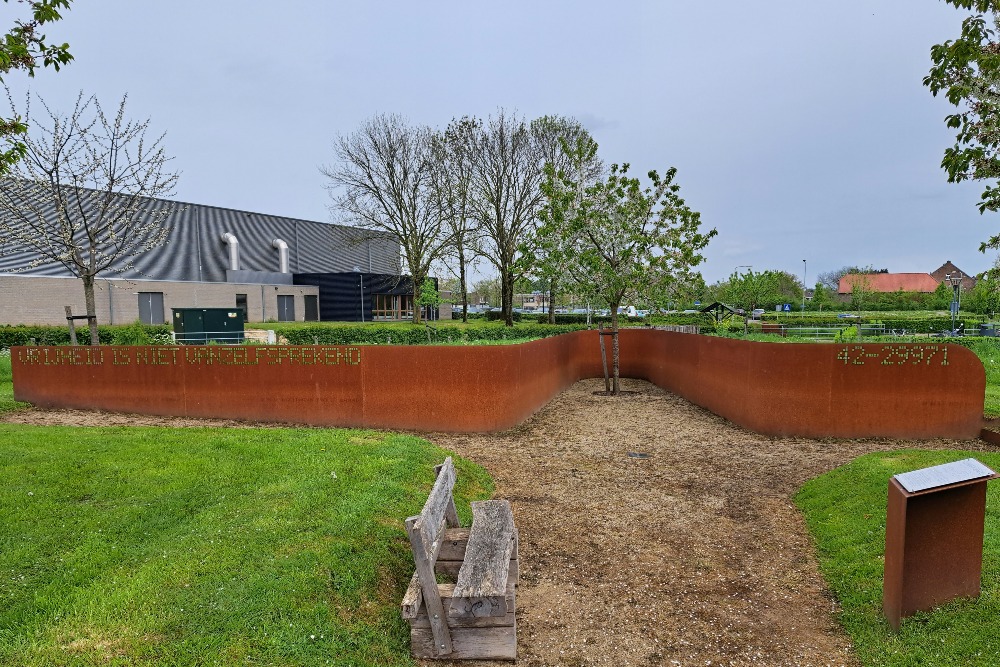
[[282, 254], [234, 250]]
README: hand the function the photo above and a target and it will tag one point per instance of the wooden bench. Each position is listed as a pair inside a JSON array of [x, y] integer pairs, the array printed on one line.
[[472, 618]]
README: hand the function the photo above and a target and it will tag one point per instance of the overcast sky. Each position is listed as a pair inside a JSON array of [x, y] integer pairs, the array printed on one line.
[[800, 129]]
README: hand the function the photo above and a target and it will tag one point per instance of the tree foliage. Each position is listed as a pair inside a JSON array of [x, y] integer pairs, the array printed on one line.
[[621, 240], [24, 48], [967, 71], [83, 194]]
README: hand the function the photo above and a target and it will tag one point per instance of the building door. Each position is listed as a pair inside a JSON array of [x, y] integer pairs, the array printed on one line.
[[312, 308], [286, 308], [151, 307], [241, 302]]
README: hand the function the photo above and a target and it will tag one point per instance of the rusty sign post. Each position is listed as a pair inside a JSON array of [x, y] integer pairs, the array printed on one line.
[[934, 537]]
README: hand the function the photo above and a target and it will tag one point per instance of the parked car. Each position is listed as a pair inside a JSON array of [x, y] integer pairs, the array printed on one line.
[[843, 316], [757, 312]]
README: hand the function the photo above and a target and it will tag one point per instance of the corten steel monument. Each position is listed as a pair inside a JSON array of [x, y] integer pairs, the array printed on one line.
[[934, 537], [807, 390]]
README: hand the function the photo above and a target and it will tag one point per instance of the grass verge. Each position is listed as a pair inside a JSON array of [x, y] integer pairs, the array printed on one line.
[[845, 512], [142, 546]]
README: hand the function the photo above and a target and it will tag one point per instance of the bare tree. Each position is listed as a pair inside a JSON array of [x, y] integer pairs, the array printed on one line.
[[505, 196], [453, 151], [384, 183], [82, 195]]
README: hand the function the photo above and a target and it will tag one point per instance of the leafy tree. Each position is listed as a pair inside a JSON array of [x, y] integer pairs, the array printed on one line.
[[384, 183], [569, 148], [749, 291], [24, 48], [624, 241], [547, 244], [429, 295], [823, 297], [967, 71], [861, 291], [83, 195]]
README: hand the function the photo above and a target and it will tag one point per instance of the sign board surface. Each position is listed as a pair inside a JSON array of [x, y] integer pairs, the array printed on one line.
[[943, 475]]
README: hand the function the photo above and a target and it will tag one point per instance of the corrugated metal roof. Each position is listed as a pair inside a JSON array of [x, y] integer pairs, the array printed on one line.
[[195, 251], [889, 282]]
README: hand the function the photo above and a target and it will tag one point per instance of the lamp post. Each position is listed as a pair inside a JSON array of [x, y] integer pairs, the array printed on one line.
[[803, 286], [955, 280]]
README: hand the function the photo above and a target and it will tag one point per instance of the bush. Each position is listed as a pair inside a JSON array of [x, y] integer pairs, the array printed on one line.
[[59, 335]]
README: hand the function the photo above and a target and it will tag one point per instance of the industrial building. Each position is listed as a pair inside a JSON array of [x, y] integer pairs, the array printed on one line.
[[275, 268]]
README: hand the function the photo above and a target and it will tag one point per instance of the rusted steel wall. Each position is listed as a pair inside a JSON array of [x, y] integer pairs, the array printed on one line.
[[820, 390]]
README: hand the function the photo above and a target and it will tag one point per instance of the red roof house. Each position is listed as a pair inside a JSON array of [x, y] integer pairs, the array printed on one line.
[[889, 282]]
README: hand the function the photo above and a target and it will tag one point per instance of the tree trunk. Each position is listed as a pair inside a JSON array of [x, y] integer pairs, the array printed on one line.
[[464, 289], [615, 386], [88, 296], [507, 298], [416, 301], [552, 301]]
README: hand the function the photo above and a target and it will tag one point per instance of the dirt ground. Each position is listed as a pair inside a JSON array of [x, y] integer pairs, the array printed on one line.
[[695, 555]]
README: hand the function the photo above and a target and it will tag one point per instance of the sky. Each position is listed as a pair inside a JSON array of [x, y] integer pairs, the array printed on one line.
[[799, 130]]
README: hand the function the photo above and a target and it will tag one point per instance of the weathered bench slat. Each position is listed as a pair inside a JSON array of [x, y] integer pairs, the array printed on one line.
[[422, 621], [439, 507], [428, 585], [482, 579], [413, 598], [499, 643]]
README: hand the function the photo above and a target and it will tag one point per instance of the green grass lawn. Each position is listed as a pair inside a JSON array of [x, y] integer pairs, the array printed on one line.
[[7, 402], [845, 511], [156, 546]]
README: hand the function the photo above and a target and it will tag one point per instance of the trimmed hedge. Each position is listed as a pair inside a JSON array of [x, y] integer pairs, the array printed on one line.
[[126, 334], [377, 334]]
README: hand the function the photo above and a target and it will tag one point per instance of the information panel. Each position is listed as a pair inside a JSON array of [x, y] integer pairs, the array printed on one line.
[[943, 475]]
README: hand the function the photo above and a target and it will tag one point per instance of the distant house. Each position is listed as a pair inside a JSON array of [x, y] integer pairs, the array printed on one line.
[[922, 283], [968, 281]]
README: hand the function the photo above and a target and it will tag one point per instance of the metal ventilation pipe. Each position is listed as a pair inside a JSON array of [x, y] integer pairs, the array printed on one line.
[[282, 254], [234, 250]]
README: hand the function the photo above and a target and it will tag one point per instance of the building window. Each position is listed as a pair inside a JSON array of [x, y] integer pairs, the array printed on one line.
[[241, 302], [392, 306], [286, 308], [151, 307], [312, 307]]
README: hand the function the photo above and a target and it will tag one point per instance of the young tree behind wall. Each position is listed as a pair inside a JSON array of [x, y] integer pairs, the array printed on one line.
[[625, 241], [452, 155], [24, 48], [384, 183], [564, 144], [81, 196]]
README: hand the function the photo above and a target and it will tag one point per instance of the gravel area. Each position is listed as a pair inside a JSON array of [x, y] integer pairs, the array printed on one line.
[[695, 555]]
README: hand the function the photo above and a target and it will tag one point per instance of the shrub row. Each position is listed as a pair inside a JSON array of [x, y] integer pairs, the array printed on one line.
[[126, 334], [375, 334]]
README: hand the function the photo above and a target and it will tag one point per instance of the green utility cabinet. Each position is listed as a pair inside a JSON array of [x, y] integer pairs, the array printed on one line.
[[199, 326]]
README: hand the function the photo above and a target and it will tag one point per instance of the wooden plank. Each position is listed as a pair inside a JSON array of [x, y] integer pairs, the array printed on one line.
[[446, 590], [453, 544], [450, 513], [499, 643], [432, 516], [413, 599], [429, 589], [482, 579]]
